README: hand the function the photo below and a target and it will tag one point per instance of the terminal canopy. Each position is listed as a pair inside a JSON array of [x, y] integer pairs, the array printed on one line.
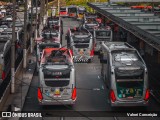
[[134, 0]]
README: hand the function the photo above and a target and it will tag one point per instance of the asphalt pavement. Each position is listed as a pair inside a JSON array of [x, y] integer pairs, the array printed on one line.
[[92, 95]]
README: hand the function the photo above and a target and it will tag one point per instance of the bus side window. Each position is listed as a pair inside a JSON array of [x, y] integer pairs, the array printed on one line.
[[7, 55]]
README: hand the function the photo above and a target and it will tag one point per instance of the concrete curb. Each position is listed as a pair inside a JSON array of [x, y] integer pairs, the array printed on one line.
[[7, 95], [15, 102], [19, 98], [21, 93]]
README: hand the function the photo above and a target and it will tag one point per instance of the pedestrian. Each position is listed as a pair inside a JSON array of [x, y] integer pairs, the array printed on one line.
[[18, 48]]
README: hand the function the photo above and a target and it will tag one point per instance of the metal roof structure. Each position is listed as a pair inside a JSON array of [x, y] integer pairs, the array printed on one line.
[[144, 25], [134, 0]]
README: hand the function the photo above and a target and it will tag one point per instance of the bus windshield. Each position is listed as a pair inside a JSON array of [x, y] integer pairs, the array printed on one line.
[[48, 45], [80, 45], [103, 34], [48, 35], [81, 39], [72, 10], [63, 9], [55, 22], [91, 20], [58, 57]]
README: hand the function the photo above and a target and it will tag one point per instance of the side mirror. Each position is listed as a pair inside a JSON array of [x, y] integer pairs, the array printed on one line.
[[66, 37]]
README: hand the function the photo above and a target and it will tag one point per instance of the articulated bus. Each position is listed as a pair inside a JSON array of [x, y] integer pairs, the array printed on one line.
[[80, 12], [63, 12], [55, 22], [51, 21], [80, 41], [72, 11], [125, 74], [5, 56], [19, 39], [57, 80], [50, 39], [102, 34], [34, 14], [42, 43], [53, 31], [90, 22]]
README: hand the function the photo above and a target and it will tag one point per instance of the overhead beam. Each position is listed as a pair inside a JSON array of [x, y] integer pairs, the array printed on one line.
[[140, 33], [134, 0]]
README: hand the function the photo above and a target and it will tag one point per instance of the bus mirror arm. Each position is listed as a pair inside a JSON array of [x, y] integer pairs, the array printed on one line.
[[66, 37]]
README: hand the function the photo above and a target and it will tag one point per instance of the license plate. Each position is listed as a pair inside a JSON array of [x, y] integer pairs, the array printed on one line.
[[130, 97], [57, 73]]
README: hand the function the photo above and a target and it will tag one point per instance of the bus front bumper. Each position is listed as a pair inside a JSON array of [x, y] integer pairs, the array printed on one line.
[[129, 103], [57, 102], [65, 15]]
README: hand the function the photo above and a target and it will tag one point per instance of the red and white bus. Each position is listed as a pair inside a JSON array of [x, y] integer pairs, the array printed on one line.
[[63, 12]]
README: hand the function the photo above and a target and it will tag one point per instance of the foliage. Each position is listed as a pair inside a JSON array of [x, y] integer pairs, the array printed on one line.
[[5, 0], [82, 3]]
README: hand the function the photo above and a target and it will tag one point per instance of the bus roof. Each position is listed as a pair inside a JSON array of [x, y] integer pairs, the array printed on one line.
[[49, 50], [118, 46]]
